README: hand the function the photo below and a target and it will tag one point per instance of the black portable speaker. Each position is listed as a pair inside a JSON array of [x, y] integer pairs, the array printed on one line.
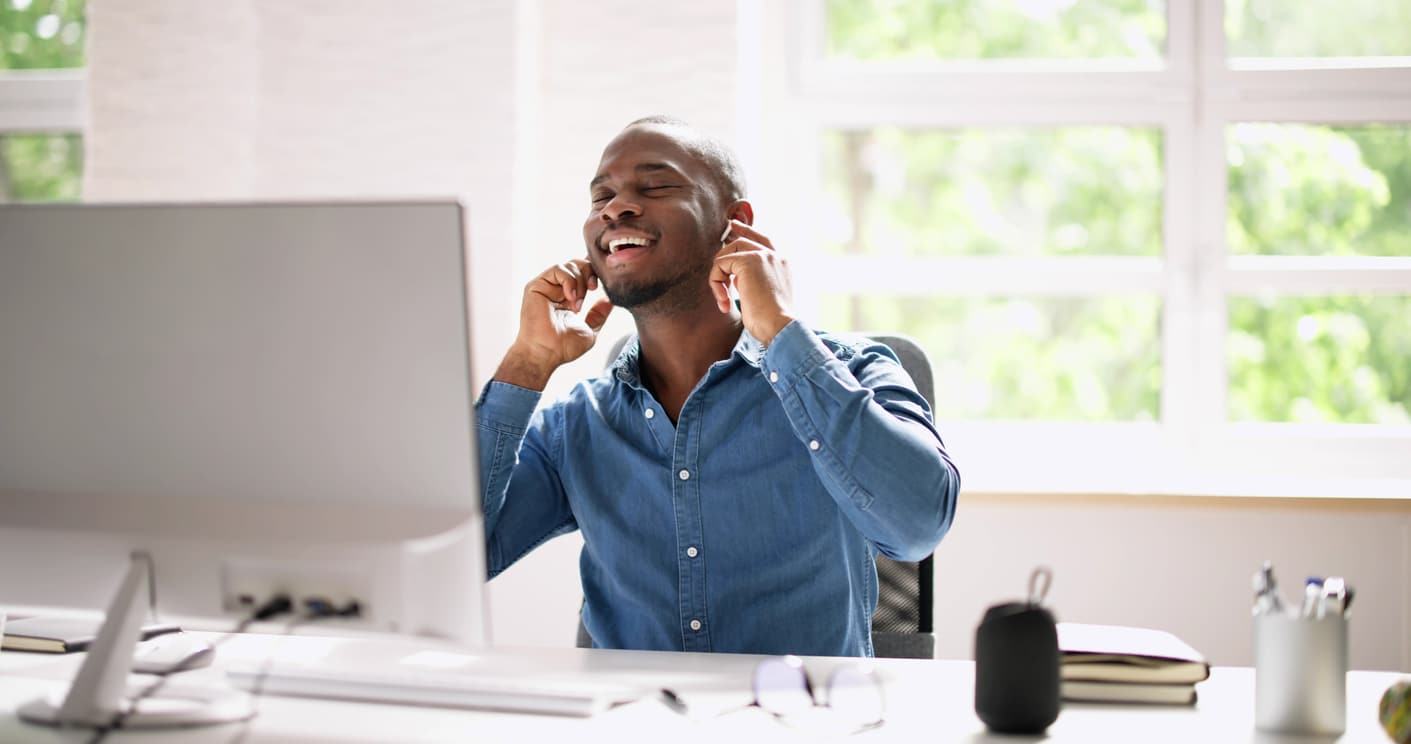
[[1016, 665]]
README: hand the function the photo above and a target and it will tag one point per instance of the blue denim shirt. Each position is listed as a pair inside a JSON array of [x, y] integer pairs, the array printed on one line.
[[751, 525]]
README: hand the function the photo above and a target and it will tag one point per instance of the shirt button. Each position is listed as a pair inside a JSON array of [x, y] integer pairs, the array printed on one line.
[[813, 444], [773, 376], [684, 475], [695, 625], [692, 552], [649, 413]]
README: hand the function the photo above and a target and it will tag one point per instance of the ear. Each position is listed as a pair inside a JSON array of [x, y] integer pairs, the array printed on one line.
[[741, 210]]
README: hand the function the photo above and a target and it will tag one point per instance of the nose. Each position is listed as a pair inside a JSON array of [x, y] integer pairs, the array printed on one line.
[[620, 208]]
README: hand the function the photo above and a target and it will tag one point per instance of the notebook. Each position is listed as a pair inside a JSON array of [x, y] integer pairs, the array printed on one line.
[[1115, 653], [1108, 692], [62, 635]]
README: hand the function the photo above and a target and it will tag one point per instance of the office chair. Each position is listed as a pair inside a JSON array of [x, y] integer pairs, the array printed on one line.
[[902, 625]]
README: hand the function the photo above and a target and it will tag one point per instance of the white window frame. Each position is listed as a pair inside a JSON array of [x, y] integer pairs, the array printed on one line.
[[43, 101], [1190, 98]]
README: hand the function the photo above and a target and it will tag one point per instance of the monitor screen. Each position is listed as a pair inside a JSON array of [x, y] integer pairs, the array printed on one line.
[[270, 394]]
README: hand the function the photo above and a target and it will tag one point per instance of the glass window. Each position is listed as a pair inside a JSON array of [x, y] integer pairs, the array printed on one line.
[[980, 192], [1320, 359], [1299, 189], [42, 34], [1035, 358], [874, 30], [1318, 28], [40, 167]]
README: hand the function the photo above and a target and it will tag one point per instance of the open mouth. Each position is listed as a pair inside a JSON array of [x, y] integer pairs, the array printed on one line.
[[626, 245]]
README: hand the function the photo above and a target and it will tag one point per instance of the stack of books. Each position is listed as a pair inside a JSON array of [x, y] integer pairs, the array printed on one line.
[[1119, 664]]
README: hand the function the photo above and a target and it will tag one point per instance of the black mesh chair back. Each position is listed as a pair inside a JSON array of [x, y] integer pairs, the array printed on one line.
[[902, 625]]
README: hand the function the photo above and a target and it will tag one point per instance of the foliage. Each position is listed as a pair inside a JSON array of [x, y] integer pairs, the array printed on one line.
[[1027, 357], [1066, 191], [990, 29], [1318, 28], [42, 34], [1318, 190], [37, 167], [1320, 359]]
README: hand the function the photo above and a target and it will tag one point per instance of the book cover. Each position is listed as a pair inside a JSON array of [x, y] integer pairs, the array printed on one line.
[[62, 635], [1116, 653]]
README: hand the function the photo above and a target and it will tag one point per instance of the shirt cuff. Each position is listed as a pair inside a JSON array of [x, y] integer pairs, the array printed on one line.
[[505, 406], [795, 350]]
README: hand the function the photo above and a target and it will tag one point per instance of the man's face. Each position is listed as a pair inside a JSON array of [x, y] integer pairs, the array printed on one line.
[[655, 223]]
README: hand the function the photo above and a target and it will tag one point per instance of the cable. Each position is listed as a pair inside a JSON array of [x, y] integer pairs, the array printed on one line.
[[316, 608], [280, 604]]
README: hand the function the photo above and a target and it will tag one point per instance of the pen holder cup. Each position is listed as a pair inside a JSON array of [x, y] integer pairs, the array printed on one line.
[[1300, 674]]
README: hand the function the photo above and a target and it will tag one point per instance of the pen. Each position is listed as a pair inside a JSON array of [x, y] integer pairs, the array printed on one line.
[[1312, 595], [1266, 594], [1334, 597]]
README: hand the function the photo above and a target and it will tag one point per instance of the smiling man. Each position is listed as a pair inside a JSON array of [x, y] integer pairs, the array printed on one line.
[[735, 472]]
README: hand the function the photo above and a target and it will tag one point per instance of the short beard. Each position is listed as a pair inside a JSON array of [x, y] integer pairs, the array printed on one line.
[[628, 296], [663, 296]]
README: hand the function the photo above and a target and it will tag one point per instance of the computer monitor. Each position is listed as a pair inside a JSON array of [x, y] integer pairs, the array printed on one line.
[[264, 397]]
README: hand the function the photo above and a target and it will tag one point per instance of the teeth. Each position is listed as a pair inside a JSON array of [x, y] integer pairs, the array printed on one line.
[[616, 244]]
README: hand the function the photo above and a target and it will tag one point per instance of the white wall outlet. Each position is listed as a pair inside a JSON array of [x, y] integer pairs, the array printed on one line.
[[247, 583]]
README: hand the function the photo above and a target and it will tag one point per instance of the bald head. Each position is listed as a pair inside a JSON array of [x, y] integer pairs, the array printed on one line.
[[717, 157]]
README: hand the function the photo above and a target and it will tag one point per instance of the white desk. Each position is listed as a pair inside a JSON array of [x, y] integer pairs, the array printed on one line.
[[928, 701]]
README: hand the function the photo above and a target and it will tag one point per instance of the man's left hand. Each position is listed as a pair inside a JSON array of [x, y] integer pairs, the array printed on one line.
[[761, 277]]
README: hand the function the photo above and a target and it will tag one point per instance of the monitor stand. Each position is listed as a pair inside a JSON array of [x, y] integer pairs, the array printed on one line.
[[101, 696]]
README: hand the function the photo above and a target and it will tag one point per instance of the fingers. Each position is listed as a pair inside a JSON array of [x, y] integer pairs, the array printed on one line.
[[721, 289], [598, 314], [731, 261], [566, 284]]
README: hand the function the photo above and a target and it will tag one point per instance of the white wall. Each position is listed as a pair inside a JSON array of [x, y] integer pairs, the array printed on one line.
[[265, 99], [1180, 563], [508, 104]]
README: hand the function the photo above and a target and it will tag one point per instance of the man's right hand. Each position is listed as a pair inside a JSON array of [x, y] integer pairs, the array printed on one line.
[[551, 331]]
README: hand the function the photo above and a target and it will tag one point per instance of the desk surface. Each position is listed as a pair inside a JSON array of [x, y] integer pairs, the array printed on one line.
[[927, 701]]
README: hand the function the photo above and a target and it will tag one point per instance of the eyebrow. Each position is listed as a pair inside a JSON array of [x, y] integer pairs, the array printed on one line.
[[640, 169]]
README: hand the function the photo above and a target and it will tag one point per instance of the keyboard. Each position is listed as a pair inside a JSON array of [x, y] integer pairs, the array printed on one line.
[[462, 689]]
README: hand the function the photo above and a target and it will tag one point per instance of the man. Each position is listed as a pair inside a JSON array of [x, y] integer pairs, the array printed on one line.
[[734, 472]]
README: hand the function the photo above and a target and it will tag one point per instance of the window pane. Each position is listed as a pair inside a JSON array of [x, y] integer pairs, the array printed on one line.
[[995, 29], [1320, 359], [41, 34], [981, 192], [1298, 189], [1036, 358], [40, 167], [1318, 28]]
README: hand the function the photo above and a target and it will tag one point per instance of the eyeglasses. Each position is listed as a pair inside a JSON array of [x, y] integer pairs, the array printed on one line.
[[853, 696]]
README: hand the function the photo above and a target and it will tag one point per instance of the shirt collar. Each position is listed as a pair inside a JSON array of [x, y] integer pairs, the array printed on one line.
[[627, 366]]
